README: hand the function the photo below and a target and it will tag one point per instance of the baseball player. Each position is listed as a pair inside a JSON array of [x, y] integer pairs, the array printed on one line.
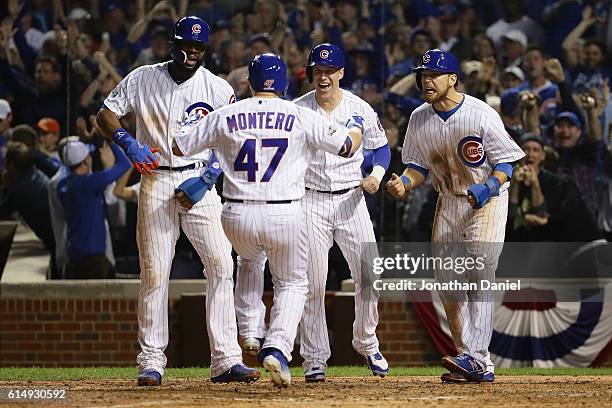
[[164, 97], [461, 141], [335, 210], [264, 144]]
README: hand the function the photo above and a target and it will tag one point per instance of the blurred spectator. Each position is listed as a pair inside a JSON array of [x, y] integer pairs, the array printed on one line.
[[82, 196], [560, 17], [47, 98], [113, 22], [419, 41], [237, 78], [515, 19], [450, 36], [512, 77], [586, 160], [6, 118], [514, 43], [594, 73], [544, 206], [24, 190], [483, 47], [48, 136], [28, 136], [363, 80], [534, 66], [158, 50]]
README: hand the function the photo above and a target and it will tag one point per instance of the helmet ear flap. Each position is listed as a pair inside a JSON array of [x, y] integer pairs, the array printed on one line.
[[309, 73], [418, 81]]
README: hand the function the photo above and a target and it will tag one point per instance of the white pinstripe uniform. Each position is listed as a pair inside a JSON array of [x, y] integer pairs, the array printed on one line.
[[459, 152], [264, 148], [161, 107], [340, 217]]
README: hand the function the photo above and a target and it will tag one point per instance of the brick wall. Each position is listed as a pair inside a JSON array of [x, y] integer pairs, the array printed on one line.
[[403, 338], [95, 332], [74, 332]]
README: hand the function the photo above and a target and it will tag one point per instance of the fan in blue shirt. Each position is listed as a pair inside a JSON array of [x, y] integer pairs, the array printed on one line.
[[82, 196]]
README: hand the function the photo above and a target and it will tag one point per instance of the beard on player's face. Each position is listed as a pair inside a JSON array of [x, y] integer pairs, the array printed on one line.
[[435, 87]]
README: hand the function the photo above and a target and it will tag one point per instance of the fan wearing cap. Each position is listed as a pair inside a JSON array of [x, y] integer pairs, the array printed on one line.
[[82, 196], [514, 44], [585, 159], [48, 136], [58, 216], [546, 206], [28, 136]]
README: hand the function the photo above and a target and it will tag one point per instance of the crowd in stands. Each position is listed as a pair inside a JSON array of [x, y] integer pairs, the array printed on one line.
[[544, 65]]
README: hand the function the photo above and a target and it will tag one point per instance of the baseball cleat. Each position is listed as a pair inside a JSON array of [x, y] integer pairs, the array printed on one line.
[[149, 378], [466, 365], [277, 365], [457, 378], [314, 374], [252, 345], [238, 373], [377, 363]]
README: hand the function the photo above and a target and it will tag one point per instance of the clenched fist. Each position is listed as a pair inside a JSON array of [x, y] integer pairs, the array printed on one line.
[[369, 185], [396, 186]]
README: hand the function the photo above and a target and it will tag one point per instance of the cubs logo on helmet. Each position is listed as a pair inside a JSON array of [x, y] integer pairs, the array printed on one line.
[[190, 28], [324, 54], [438, 61], [471, 151]]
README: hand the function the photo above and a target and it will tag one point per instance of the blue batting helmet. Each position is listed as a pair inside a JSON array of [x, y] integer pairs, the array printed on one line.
[[268, 73], [439, 61], [190, 28], [324, 54]]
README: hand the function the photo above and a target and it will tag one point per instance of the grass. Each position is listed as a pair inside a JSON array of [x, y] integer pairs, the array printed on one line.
[[128, 373]]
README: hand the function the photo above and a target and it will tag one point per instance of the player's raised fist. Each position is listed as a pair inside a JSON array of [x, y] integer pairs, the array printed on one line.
[[396, 186]]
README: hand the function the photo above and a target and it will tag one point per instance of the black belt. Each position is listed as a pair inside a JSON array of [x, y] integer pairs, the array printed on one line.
[[231, 200], [183, 168], [346, 190]]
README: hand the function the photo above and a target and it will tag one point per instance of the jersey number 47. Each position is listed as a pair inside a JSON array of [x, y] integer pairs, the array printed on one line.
[[246, 159]]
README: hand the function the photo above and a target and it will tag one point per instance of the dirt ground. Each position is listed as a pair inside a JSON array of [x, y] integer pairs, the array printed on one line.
[[520, 391]]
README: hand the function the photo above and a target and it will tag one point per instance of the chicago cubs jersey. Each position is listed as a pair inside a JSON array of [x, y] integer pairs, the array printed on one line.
[[462, 150], [263, 145], [162, 106], [329, 172]]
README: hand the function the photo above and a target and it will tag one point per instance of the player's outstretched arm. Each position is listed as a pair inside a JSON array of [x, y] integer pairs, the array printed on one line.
[[142, 156], [400, 186]]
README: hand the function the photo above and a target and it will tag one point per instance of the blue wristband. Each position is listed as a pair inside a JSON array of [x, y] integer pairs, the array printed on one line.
[[405, 180], [493, 184]]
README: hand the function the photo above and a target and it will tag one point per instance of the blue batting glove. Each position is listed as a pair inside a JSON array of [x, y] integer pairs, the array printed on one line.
[[141, 155], [195, 187], [483, 192], [356, 120]]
